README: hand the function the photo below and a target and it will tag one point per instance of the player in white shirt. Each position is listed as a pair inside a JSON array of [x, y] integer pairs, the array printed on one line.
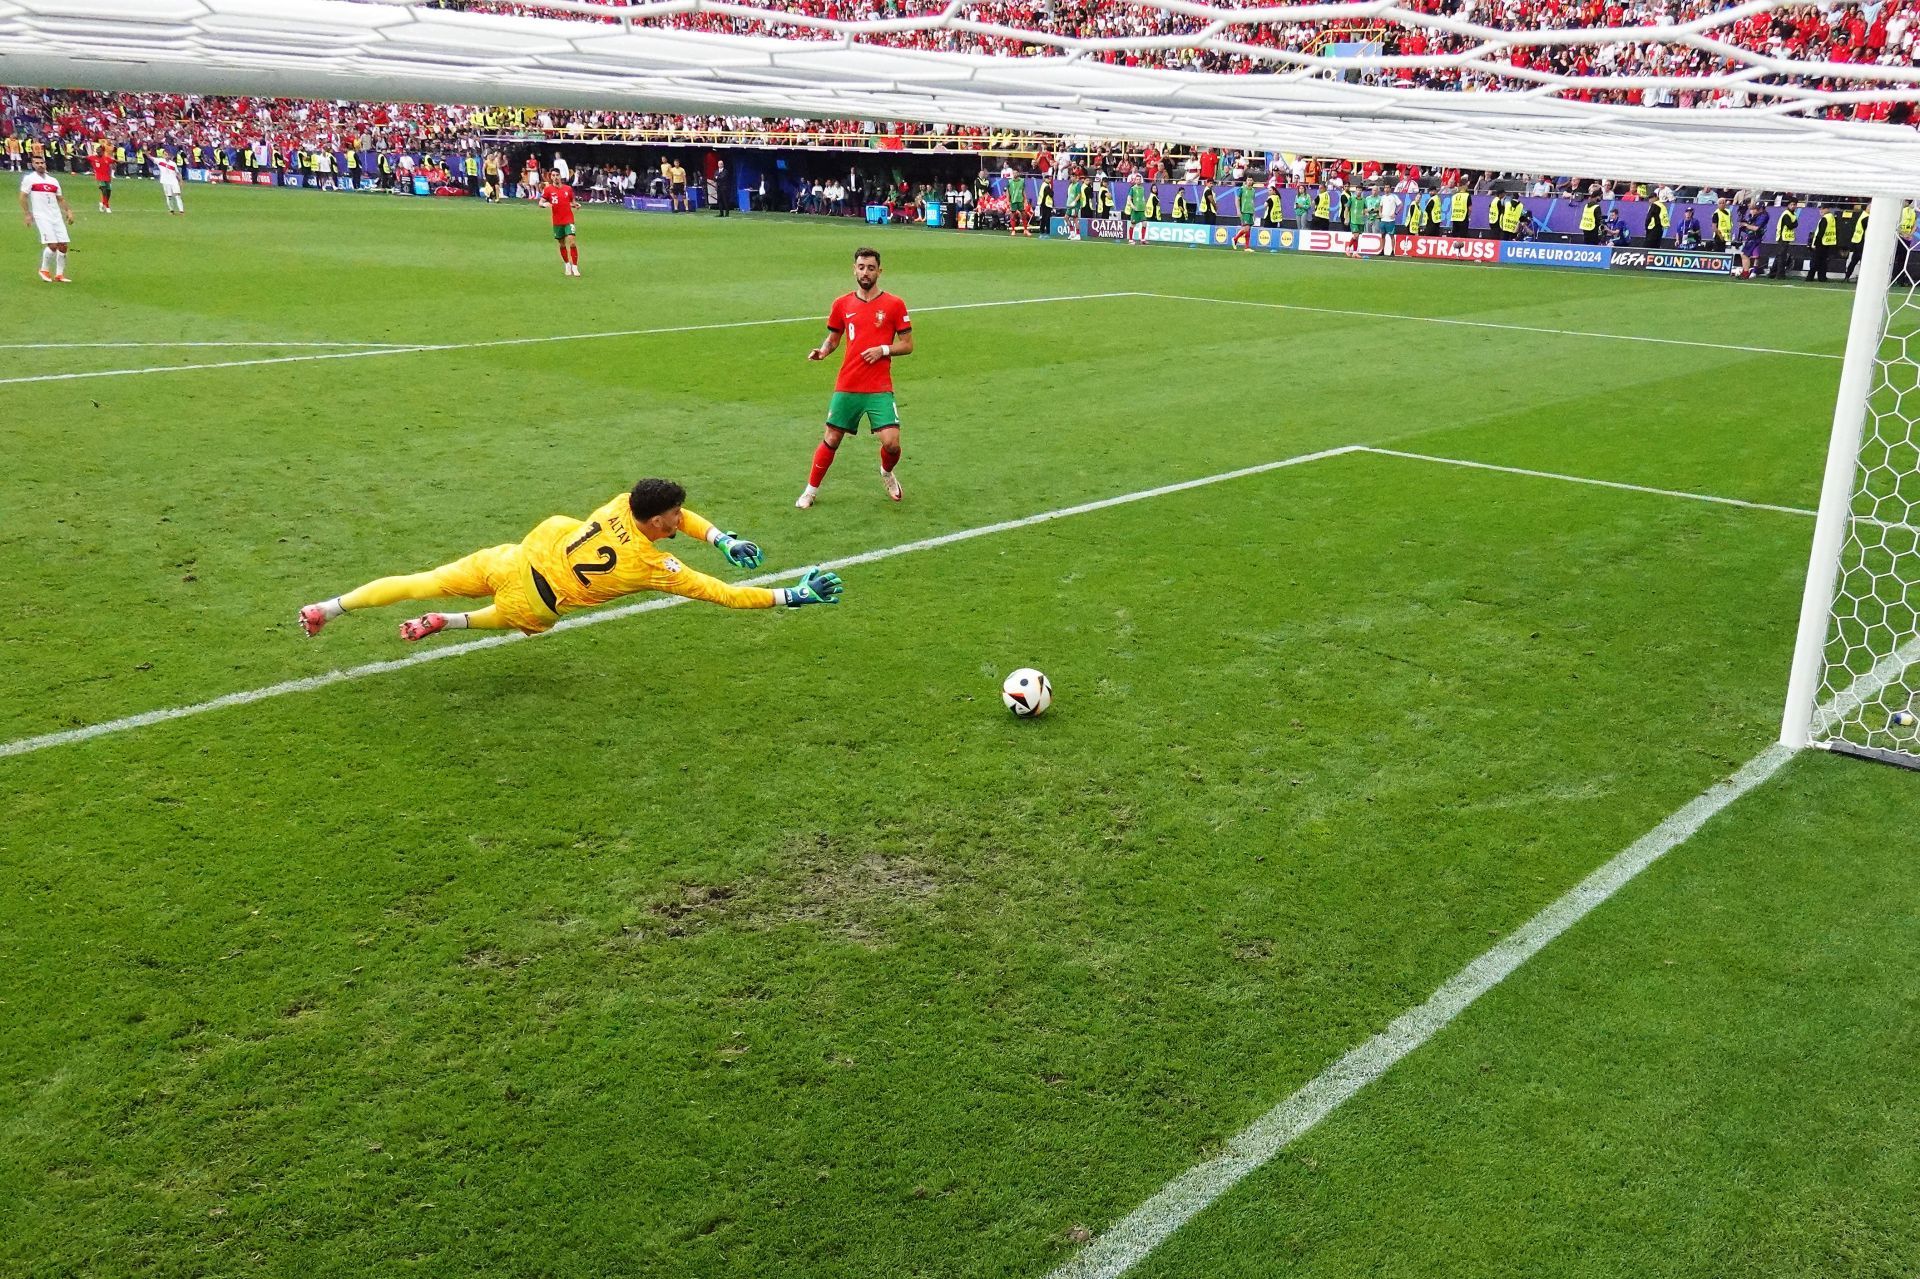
[[45, 209], [170, 182]]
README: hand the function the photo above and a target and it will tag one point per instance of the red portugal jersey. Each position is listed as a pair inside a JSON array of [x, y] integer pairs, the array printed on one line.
[[560, 199], [867, 324], [102, 168]]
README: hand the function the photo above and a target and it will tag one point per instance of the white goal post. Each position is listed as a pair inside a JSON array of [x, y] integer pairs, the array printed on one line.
[[1851, 687], [1687, 102]]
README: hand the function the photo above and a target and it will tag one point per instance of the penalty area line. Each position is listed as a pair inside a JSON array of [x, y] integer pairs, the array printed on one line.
[[307, 684], [491, 343]]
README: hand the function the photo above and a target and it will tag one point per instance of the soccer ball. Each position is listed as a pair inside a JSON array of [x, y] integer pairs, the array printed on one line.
[[1903, 719], [1027, 693]]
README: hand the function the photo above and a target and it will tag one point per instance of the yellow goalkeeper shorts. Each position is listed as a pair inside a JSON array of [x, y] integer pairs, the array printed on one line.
[[505, 573]]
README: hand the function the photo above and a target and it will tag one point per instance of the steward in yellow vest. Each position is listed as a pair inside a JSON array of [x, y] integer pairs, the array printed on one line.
[[1859, 244], [1785, 230], [1825, 237], [1659, 217]]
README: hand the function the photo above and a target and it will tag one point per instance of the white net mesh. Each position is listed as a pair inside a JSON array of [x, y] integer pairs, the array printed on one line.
[[1871, 680], [1762, 94]]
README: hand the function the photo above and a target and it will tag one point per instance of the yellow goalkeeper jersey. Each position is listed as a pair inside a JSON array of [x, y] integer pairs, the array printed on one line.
[[605, 556]]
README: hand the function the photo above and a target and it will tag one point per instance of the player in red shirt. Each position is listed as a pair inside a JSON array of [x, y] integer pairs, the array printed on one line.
[[102, 162], [877, 328], [558, 196]]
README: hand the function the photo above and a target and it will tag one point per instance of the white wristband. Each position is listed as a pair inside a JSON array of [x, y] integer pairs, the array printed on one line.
[[886, 351]]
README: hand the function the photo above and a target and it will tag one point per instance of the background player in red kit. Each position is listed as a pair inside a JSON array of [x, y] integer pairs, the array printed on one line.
[[102, 162], [558, 196], [877, 328]]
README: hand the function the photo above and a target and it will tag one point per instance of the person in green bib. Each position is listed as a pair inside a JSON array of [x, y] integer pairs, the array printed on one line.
[[1137, 213], [1244, 199], [1019, 220]]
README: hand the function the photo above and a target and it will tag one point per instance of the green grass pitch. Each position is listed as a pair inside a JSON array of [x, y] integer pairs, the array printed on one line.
[[732, 944]]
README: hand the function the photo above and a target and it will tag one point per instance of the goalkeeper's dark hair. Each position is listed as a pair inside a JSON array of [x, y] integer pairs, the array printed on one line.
[[654, 497], [864, 252]]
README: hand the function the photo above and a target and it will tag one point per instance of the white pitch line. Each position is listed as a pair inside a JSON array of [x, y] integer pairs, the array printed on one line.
[[531, 341], [1180, 1200], [218, 364], [1490, 324], [27, 745], [97, 346], [1582, 479]]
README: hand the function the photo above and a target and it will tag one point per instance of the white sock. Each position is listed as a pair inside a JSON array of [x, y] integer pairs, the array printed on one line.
[[812, 489], [59, 263], [332, 608], [456, 621], [46, 260]]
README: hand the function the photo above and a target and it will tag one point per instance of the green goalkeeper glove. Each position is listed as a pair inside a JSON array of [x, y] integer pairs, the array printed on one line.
[[739, 551], [816, 587]]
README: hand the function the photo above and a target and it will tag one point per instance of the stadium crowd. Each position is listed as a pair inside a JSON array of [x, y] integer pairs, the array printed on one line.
[[1880, 32], [503, 152]]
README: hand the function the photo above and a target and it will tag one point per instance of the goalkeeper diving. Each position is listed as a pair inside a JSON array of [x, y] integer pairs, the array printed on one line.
[[567, 563]]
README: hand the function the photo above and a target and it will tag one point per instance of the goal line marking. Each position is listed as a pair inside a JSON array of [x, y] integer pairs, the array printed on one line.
[[1582, 479], [1491, 324], [44, 741], [1145, 1228], [489, 343]]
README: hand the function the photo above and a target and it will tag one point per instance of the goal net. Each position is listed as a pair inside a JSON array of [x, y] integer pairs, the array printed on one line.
[[1761, 96], [1754, 95], [1856, 687]]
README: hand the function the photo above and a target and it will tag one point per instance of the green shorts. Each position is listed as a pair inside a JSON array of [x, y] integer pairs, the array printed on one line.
[[846, 408], [562, 232]]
